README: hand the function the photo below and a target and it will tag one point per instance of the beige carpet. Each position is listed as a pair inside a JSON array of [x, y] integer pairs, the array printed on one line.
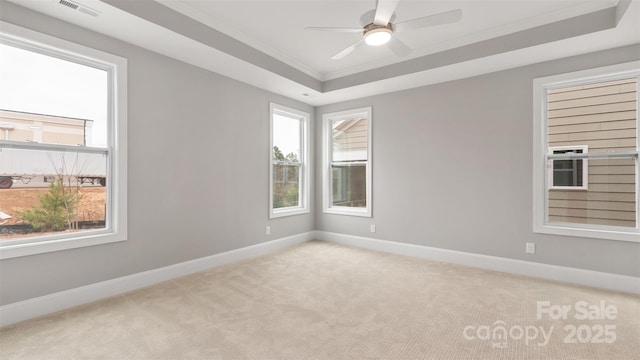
[[326, 301]]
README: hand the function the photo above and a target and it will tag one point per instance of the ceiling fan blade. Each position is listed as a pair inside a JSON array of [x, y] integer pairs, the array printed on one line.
[[384, 11], [347, 50], [398, 47], [431, 20], [335, 29]]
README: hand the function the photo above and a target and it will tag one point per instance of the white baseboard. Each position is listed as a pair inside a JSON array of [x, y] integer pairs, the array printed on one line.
[[629, 284], [28, 309], [31, 308]]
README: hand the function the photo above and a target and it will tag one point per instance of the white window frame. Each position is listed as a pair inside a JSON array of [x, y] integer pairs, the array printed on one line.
[[585, 168], [327, 130], [540, 155], [305, 176], [116, 202]]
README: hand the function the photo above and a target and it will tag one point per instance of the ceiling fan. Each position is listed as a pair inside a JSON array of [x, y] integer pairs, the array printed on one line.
[[378, 28]]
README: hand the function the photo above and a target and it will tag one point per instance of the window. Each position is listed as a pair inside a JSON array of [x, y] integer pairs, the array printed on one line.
[[586, 153], [569, 174], [347, 162], [62, 144], [289, 158]]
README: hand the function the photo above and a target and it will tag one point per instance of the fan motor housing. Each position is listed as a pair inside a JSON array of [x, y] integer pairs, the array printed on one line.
[[367, 18], [373, 26]]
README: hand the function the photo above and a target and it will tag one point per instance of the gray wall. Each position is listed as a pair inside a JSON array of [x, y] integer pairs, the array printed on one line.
[[452, 169], [198, 170]]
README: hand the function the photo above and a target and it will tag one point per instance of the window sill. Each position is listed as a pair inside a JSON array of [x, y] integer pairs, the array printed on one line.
[[619, 234], [348, 211], [288, 212], [570, 188], [57, 243]]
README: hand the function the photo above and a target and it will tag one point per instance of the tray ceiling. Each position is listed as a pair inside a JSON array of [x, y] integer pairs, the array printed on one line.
[[264, 43]]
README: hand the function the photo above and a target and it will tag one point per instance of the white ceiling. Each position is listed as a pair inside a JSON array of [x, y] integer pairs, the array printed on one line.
[[278, 27], [264, 43]]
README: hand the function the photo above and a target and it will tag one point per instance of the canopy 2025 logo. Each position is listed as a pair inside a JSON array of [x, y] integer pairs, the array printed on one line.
[[500, 334]]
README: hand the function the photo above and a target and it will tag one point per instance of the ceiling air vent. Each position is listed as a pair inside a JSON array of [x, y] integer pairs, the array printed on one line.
[[69, 4], [77, 6]]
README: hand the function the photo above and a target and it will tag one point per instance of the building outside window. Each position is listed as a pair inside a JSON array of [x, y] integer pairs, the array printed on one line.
[[62, 144], [347, 162], [569, 174], [586, 153]]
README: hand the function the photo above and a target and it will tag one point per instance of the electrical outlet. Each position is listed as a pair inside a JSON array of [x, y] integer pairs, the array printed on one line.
[[373, 228], [531, 248], [267, 230]]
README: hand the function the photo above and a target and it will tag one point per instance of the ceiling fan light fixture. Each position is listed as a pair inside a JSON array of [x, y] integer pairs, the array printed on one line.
[[378, 36]]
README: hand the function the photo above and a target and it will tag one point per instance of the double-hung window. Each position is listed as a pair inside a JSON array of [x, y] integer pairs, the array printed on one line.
[[586, 153], [62, 144], [289, 159], [347, 162]]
